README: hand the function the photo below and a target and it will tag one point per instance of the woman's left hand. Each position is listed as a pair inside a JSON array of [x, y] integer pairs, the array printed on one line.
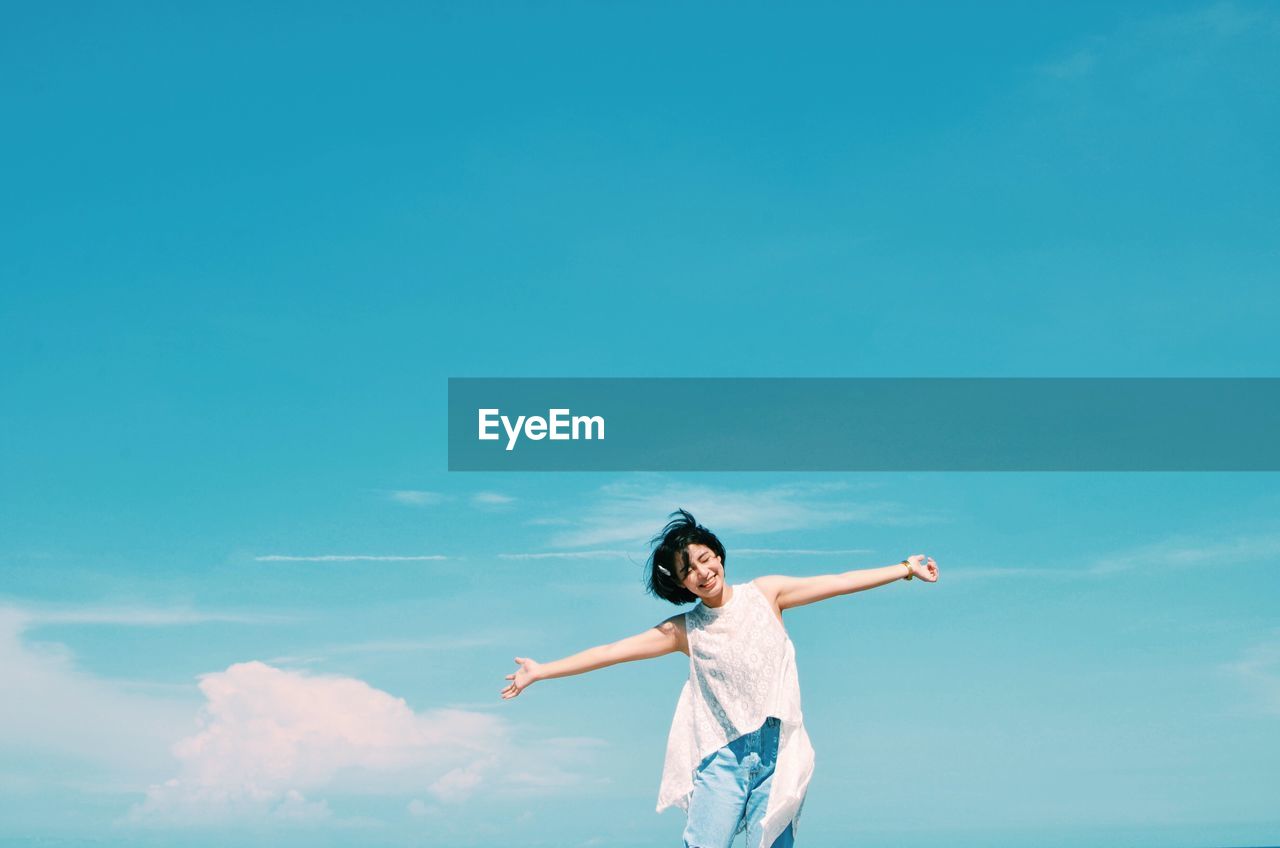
[[520, 679]]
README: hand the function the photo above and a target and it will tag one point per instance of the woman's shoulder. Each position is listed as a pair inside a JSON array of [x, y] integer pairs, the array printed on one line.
[[770, 586], [760, 587], [766, 589]]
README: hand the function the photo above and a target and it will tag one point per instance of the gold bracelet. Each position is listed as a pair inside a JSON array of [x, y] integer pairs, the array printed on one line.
[[910, 573]]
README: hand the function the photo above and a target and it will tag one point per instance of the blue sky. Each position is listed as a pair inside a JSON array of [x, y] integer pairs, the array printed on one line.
[[246, 247]]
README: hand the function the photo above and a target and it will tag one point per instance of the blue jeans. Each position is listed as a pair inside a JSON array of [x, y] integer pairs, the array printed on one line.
[[732, 786]]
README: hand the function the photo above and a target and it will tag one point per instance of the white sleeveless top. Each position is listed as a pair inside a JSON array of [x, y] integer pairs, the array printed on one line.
[[742, 670]]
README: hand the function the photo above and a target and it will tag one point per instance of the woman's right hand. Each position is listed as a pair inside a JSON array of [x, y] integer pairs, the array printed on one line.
[[520, 680], [923, 567]]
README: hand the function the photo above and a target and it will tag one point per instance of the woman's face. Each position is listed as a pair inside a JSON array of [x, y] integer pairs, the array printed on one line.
[[702, 571]]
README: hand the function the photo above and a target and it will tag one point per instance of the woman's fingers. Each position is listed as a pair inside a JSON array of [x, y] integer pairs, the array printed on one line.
[[515, 689]]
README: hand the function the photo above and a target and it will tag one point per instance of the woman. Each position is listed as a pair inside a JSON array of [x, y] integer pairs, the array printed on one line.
[[738, 758]]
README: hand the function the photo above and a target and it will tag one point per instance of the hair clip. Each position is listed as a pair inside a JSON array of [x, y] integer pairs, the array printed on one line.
[[664, 571]]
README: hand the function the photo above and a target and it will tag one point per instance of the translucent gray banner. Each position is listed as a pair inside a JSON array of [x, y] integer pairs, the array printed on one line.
[[857, 424]]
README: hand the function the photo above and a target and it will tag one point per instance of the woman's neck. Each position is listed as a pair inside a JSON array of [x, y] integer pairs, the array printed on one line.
[[716, 601]]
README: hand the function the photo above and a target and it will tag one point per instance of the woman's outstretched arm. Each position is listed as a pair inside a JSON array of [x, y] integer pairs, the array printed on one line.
[[788, 592], [665, 638]]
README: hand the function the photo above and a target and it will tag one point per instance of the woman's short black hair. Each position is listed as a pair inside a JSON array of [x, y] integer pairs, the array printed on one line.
[[669, 557]]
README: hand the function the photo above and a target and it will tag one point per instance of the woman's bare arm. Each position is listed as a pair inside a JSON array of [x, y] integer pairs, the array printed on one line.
[[665, 638], [787, 592]]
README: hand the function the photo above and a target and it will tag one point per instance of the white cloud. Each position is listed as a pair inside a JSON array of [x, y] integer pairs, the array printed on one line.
[[642, 554], [142, 616], [557, 764], [457, 784], [416, 497], [383, 646], [269, 746], [797, 552], [634, 510], [1188, 552], [350, 558], [963, 572], [266, 732], [571, 555], [419, 808], [1259, 670], [296, 808], [386, 646], [1163, 557], [51, 706], [271, 738]]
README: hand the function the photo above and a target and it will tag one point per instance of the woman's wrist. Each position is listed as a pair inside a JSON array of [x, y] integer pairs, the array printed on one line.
[[910, 571]]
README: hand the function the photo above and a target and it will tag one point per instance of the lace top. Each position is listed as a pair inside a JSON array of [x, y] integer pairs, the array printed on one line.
[[742, 670]]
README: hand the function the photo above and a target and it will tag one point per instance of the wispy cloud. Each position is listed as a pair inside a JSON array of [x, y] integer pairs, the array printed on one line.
[[388, 646], [491, 499], [1161, 53], [1078, 64], [1188, 552], [573, 555], [1220, 20], [1164, 557], [144, 617], [1175, 553], [445, 643], [634, 510], [68, 712], [1259, 670], [351, 558], [416, 497], [421, 497], [953, 573], [798, 551]]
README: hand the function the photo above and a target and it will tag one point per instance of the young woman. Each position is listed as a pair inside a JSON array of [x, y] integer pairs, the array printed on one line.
[[738, 758]]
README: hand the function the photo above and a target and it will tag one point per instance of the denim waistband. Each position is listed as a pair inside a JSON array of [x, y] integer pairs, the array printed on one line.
[[767, 731], [770, 724]]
